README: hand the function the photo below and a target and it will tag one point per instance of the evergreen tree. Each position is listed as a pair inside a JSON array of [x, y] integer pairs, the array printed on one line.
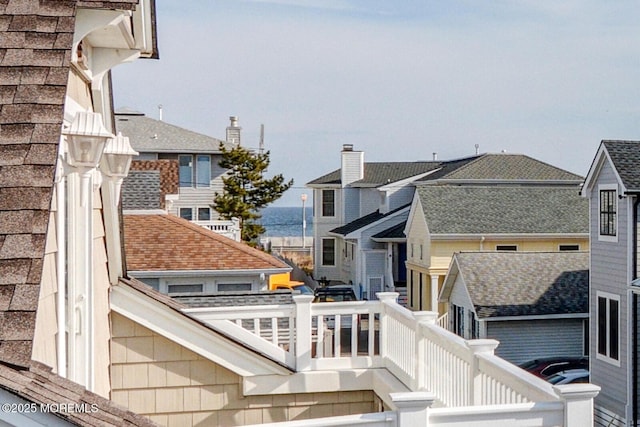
[[246, 190]]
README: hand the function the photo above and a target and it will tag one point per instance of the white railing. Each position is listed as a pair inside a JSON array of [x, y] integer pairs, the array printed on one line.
[[462, 377], [228, 228]]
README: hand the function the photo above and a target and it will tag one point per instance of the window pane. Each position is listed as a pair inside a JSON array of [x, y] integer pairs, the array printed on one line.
[[602, 326], [231, 287], [178, 289], [203, 171], [186, 213], [186, 171], [328, 252], [613, 329], [204, 214], [328, 203]]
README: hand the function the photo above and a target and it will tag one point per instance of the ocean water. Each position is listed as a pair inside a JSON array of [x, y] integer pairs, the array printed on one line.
[[286, 221]]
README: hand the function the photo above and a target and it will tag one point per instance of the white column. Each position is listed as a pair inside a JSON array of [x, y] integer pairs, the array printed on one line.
[[303, 332], [578, 403], [434, 292], [61, 274]]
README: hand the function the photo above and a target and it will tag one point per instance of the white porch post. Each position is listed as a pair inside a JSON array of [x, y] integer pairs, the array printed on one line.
[[386, 299], [424, 317], [303, 332], [484, 346], [413, 408], [578, 403], [434, 292]]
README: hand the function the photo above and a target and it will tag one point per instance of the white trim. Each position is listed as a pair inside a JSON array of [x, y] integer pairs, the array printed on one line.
[[188, 333], [608, 297], [321, 204], [609, 187], [335, 255]]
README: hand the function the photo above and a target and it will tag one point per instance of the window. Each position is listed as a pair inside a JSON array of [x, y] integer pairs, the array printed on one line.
[[421, 251], [328, 252], [458, 320], [328, 203], [186, 213], [203, 171], [608, 205], [569, 248], [608, 319], [234, 287], [475, 325], [186, 170], [506, 248], [185, 288], [204, 214]]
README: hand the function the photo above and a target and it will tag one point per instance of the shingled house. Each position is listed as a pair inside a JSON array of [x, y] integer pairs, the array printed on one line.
[[535, 303]]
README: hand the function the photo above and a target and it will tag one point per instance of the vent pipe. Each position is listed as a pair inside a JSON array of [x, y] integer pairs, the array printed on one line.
[[477, 149], [435, 156], [160, 112]]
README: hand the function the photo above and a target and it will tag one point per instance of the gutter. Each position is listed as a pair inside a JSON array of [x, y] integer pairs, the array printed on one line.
[[198, 273]]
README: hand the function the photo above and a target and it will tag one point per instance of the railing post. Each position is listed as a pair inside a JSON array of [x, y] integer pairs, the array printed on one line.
[[303, 332], [482, 346], [386, 299], [578, 403], [412, 408], [425, 317]]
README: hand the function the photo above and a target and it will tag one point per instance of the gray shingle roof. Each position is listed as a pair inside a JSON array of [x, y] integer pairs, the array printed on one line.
[[450, 209], [625, 156], [505, 167], [148, 135], [526, 283], [235, 299], [395, 232], [364, 221], [376, 174], [141, 190]]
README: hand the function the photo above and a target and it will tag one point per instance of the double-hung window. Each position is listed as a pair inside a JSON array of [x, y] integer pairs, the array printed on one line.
[[608, 212], [328, 203], [329, 252], [608, 327], [186, 170], [203, 170]]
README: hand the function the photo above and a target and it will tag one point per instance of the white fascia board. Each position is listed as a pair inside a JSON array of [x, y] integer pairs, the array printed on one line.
[[199, 273], [188, 333], [415, 204], [507, 236], [594, 170], [358, 233], [380, 381], [538, 317], [449, 280]]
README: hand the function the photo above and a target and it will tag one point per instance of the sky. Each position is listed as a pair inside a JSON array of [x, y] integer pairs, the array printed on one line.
[[398, 79]]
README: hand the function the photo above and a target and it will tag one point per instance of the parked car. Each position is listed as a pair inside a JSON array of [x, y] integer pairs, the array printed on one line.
[[571, 376], [545, 366], [335, 293], [299, 287]]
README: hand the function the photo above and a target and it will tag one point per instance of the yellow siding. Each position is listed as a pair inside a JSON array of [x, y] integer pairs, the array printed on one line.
[[172, 385]]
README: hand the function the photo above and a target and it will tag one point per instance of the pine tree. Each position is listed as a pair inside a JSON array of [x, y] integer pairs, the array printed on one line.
[[246, 190]]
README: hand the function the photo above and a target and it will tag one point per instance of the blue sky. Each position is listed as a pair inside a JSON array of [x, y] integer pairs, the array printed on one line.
[[398, 79]]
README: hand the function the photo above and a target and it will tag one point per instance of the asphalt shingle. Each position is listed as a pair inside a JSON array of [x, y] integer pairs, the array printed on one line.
[[625, 156]]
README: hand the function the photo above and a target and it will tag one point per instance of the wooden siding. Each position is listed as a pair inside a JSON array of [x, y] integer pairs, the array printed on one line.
[[609, 273], [522, 340]]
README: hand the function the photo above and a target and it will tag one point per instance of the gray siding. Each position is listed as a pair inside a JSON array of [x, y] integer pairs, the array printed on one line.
[[351, 201], [524, 340], [370, 199], [366, 241], [609, 272], [401, 197]]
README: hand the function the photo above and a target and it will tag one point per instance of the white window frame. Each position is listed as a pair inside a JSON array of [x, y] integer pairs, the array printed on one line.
[[322, 203], [605, 237], [180, 213], [605, 357]]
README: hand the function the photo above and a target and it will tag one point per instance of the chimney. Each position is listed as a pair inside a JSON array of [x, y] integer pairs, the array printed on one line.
[[233, 131], [352, 168], [435, 156]]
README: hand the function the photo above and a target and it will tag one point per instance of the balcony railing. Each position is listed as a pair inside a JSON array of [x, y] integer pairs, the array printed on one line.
[[230, 228], [463, 379]]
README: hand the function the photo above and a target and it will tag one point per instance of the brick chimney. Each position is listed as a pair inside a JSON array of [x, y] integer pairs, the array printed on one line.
[[233, 131], [352, 168]]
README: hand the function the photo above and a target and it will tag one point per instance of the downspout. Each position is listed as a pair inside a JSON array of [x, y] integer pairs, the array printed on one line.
[[481, 243], [634, 275], [61, 273]]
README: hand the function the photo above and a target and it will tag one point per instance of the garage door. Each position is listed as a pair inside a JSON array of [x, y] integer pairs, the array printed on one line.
[[529, 339]]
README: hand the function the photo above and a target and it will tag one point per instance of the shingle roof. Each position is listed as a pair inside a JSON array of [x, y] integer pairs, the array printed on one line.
[[40, 386], [166, 242], [451, 209], [526, 283], [35, 42], [376, 174], [395, 232], [625, 156], [148, 135], [365, 220], [506, 167], [141, 190], [236, 299]]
